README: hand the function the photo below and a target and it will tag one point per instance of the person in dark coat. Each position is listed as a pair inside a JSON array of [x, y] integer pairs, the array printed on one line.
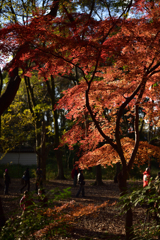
[[7, 181], [26, 178], [81, 183]]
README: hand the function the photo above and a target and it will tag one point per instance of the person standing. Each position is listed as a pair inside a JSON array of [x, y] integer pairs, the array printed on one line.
[[146, 177], [7, 181], [81, 184], [74, 174], [26, 202], [26, 178]]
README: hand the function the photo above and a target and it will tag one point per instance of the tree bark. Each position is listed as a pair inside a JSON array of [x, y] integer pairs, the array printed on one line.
[[51, 91], [38, 142], [122, 183], [40, 131], [117, 172], [11, 90], [58, 152], [60, 174], [98, 181]]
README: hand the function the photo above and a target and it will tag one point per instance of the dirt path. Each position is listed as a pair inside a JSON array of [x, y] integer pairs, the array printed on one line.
[[105, 225]]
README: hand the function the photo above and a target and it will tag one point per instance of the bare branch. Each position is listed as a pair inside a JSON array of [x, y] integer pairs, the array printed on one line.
[[109, 140], [136, 124]]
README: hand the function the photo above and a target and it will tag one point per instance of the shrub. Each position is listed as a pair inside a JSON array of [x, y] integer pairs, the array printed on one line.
[[149, 199]]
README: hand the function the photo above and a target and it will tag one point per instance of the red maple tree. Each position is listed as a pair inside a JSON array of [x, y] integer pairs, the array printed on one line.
[[118, 59]]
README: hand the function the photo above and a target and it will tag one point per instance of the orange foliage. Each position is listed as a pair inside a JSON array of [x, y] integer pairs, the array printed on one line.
[[67, 214], [106, 155]]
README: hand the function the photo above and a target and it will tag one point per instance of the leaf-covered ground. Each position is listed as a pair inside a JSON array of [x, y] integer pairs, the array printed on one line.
[[105, 223]]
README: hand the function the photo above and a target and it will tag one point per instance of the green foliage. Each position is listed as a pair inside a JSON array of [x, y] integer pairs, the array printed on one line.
[[60, 195], [149, 199], [20, 227], [37, 218]]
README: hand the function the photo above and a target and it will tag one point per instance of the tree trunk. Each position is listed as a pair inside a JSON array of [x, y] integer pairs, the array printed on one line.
[[129, 224], [38, 142], [117, 172], [44, 148], [58, 152], [32, 104], [60, 174], [51, 91], [13, 85], [98, 181], [43, 165], [122, 183]]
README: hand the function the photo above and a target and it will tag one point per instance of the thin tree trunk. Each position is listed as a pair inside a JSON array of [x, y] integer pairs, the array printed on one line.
[[44, 148], [60, 174], [122, 183], [43, 165], [38, 142], [117, 172], [32, 105], [51, 91]]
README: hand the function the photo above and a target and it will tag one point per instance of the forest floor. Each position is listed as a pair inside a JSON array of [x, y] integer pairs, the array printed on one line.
[[106, 224]]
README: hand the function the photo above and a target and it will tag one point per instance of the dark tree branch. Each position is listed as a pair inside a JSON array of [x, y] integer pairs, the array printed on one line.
[[109, 140], [120, 113], [136, 124], [28, 95], [54, 9], [153, 69], [1, 81], [69, 15], [92, 8], [11, 90], [154, 72]]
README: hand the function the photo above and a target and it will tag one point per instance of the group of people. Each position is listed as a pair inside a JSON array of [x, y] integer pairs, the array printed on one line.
[[76, 174], [25, 180], [27, 201]]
